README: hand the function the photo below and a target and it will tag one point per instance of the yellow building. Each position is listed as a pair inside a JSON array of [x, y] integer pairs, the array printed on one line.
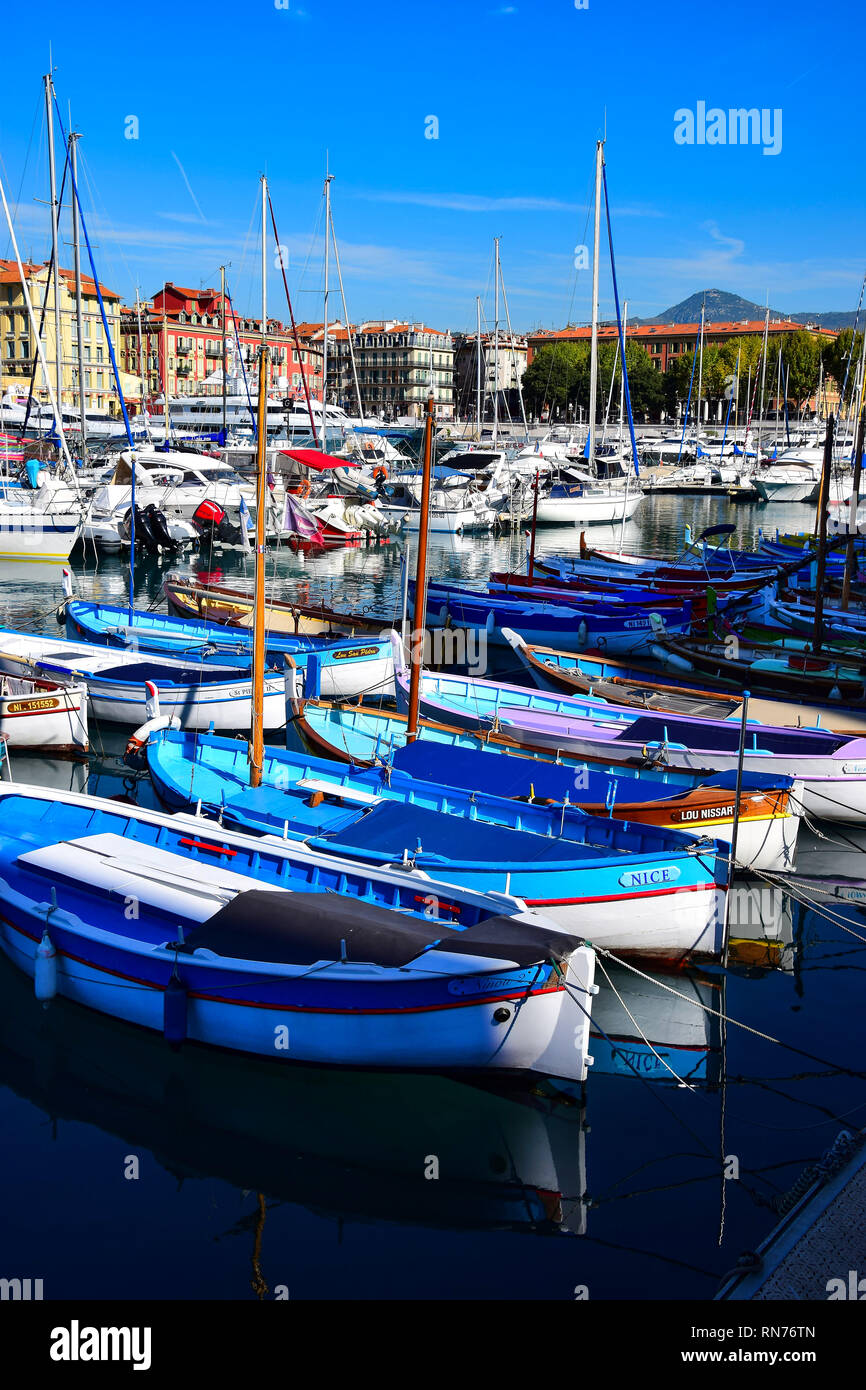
[[18, 348]]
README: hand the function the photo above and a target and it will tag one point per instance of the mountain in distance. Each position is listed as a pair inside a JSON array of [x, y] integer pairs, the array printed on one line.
[[837, 318], [720, 307], [723, 307]]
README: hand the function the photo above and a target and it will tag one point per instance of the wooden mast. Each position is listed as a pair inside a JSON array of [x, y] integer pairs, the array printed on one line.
[[257, 744], [822, 534], [416, 640], [530, 569], [851, 557]]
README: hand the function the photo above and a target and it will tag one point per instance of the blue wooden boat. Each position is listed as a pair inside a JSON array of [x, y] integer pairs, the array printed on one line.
[[676, 800], [573, 626], [195, 931], [641, 687], [339, 669], [127, 687], [584, 870], [831, 767]]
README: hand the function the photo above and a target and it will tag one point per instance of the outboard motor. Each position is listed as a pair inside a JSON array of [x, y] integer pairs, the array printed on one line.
[[159, 528], [212, 524], [144, 535]]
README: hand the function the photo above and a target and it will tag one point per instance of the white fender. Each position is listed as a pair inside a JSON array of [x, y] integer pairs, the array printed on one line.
[[401, 667], [45, 969], [153, 725]]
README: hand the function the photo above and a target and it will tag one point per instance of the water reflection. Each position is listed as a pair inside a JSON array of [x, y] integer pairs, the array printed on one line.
[[421, 1148]]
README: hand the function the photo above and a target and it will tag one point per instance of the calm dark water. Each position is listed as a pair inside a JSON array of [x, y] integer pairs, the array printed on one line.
[[255, 1179]]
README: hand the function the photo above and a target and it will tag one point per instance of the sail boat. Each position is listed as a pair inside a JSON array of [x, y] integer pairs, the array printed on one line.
[[574, 496]]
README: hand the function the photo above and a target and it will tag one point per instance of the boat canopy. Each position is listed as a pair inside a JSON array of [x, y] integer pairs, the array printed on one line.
[[314, 458]]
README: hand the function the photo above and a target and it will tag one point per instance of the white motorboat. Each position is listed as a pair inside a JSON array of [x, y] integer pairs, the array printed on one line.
[[792, 477]]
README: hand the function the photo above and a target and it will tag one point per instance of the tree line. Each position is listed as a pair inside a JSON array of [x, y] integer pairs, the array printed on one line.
[[557, 379]]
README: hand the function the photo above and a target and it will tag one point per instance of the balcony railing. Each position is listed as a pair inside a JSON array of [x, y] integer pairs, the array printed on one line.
[[213, 351]]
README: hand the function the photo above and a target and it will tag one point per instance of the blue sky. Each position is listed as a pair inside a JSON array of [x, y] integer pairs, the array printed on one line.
[[223, 92]]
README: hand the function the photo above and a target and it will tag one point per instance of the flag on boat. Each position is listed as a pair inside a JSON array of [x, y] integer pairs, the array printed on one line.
[[246, 523]]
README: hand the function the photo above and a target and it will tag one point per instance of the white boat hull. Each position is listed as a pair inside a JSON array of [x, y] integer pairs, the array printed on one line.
[[43, 717], [588, 510], [670, 925], [125, 699]]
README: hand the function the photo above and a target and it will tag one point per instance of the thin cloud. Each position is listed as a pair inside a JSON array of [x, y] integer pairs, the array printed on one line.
[[481, 202], [188, 186]]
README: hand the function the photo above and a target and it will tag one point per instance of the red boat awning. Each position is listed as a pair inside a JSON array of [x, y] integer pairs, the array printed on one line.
[[314, 458]]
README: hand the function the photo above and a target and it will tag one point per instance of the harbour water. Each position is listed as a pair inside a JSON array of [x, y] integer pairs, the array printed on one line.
[[140, 1172]]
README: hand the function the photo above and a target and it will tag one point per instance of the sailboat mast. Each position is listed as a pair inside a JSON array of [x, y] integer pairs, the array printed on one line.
[[223, 342], [478, 406], [763, 381], [496, 342], [513, 352], [622, 381], [593, 359], [416, 642], [325, 343], [257, 746], [700, 381], [143, 350], [76, 246], [34, 329], [348, 325], [166, 407], [52, 180]]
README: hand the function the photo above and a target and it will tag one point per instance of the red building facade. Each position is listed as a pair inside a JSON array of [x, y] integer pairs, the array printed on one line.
[[176, 341]]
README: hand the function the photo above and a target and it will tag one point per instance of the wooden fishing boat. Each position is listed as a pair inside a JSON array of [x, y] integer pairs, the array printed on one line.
[[279, 950], [621, 628], [666, 579], [767, 813], [785, 668], [831, 767], [42, 716], [344, 668], [638, 888], [619, 683], [233, 607], [542, 588], [126, 687]]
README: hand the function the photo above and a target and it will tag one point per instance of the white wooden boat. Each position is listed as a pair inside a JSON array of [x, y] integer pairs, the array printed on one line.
[[41, 715], [125, 687]]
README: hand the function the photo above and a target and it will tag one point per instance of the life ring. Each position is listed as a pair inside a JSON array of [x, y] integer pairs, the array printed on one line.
[[134, 754], [303, 488], [380, 473]]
